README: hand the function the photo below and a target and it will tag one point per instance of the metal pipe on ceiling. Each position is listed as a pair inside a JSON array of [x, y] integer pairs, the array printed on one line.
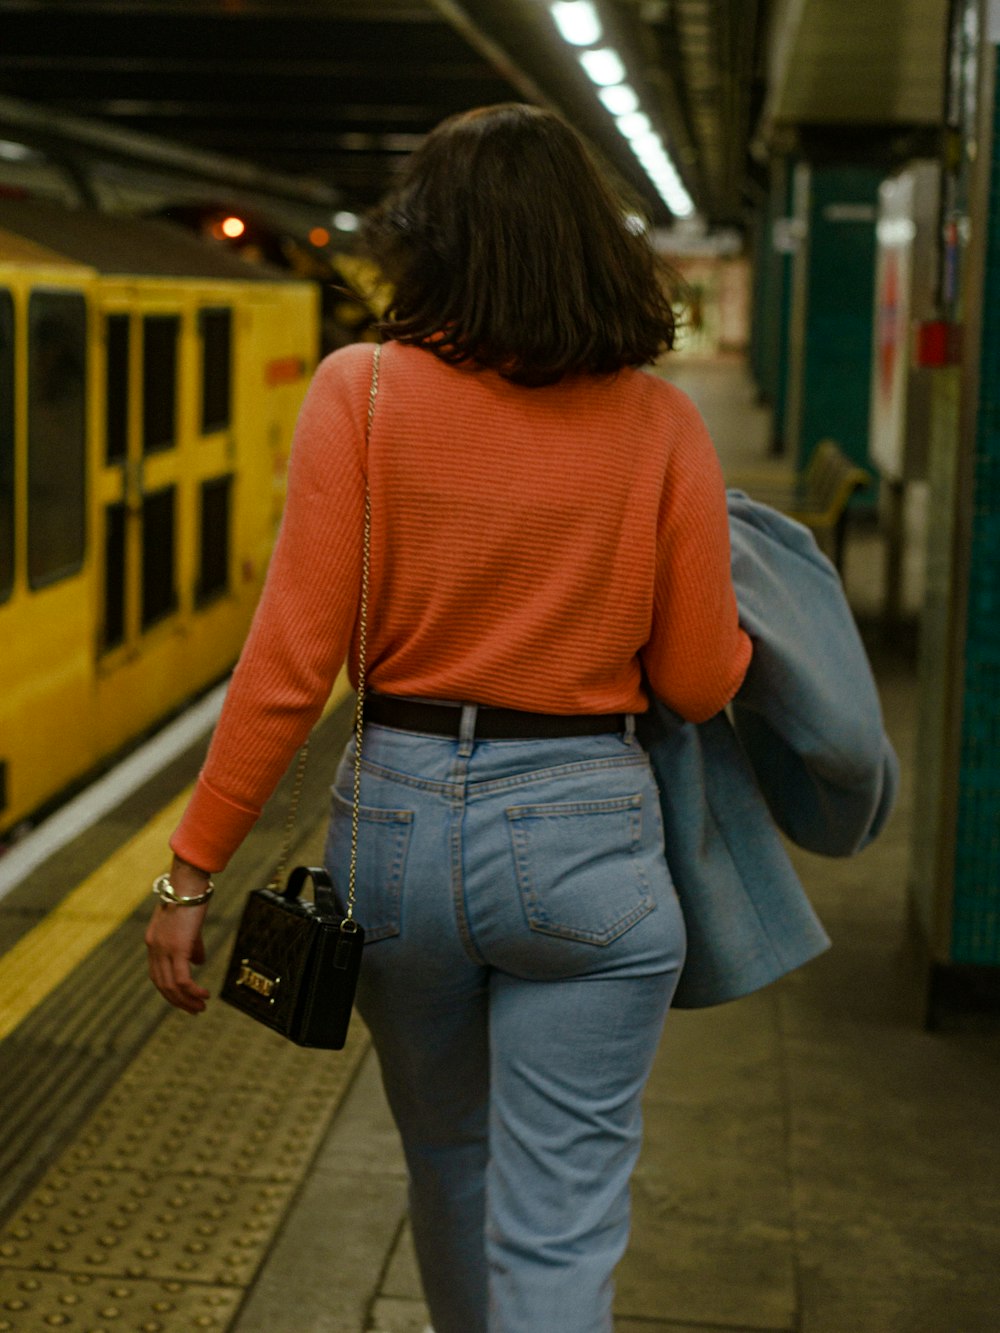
[[42, 127]]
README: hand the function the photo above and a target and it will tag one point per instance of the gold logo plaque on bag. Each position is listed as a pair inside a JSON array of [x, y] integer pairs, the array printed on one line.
[[257, 981]]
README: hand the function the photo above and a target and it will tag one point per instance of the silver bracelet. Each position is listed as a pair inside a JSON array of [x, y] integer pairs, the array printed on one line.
[[164, 890]]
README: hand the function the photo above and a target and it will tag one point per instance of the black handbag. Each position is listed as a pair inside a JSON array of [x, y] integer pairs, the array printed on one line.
[[295, 968], [295, 964]]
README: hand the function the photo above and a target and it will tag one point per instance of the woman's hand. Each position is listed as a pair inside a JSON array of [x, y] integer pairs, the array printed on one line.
[[174, 942]]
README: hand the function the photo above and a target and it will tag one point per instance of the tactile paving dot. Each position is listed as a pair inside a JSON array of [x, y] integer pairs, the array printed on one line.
[[249, 1104], [164, 1206], [34, 1302], [203, 1230]]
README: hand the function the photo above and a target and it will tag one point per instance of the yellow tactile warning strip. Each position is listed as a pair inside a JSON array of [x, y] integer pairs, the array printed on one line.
[[87, 916], [80, 1301], [157, 1216], [159, 1211]]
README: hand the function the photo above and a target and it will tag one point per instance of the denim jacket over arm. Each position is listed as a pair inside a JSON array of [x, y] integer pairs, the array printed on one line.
[[805, 752]]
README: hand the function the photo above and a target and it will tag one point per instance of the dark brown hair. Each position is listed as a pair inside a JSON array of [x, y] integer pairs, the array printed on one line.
[[506, 248]]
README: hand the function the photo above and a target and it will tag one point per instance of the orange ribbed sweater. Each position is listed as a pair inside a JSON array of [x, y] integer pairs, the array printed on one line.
[[529, 547]]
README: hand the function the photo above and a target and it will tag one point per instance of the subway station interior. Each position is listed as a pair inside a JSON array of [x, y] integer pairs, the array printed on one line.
[[181, 188]]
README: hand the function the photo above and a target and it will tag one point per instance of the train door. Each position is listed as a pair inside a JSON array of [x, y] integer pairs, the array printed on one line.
[[168, 623], [46, 565], [139, 475]]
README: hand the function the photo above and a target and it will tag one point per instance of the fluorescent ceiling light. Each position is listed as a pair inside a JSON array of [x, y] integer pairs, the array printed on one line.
[[661, 166], [15, 152], [634, 125], [647, 145], [660, 169], [620, 99], [682, 205], [677, 200], [604, 66], [577, 22]]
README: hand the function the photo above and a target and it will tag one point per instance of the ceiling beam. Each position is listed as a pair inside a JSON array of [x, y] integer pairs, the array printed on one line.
[[41, 127], [480, 41]]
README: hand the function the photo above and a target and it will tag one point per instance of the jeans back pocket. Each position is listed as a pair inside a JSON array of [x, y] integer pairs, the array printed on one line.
[[578, 867], [383, 842]]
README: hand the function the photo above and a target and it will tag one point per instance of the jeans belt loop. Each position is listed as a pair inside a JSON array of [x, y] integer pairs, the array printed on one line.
[[467, 729]]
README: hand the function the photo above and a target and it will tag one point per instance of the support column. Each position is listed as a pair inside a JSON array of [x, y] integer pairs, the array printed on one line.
[[955, 876]]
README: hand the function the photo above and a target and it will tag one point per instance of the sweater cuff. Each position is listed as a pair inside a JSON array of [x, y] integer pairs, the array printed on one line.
[[211, 828]]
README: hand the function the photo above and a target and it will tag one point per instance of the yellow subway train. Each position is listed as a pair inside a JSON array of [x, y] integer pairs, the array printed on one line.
[[149, 385]]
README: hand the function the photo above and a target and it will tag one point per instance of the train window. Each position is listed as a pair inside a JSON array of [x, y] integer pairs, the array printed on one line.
[[116, 340], [159, 592], [160, 335], [113, 627], [216, 327], [6, 445], [213, 573], [57, 378]]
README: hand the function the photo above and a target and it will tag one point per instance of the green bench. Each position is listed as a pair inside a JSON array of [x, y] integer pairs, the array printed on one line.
[[819, 498]]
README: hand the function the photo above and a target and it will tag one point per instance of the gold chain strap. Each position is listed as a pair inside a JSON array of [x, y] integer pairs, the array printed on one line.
[[293, 810], [359, 708], [300, 769]]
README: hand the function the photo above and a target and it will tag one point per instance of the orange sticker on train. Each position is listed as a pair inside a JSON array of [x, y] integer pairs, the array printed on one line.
[[284, 370]]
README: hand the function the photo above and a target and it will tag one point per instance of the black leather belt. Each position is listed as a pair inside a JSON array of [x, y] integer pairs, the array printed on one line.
[[492, 724]]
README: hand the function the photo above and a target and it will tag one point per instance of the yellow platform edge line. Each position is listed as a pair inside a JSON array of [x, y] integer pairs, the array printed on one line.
[[44, 957], [49, 952]]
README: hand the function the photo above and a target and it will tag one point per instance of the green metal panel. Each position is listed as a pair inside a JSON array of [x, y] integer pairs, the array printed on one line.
[[931, 825], [839, 310], [772, 300], [976, 918], [761, 298]]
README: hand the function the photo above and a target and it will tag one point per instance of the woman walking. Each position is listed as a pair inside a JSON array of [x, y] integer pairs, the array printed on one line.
[[549, 540]]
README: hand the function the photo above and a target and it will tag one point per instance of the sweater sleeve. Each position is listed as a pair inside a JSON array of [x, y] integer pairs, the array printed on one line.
[[697, 654], [302, 627]]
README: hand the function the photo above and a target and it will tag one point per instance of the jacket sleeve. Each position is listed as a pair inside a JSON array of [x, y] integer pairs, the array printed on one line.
[[808, 713], [697, 653]]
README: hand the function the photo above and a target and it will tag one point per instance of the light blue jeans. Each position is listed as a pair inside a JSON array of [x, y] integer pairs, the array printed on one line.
[[523, 942]]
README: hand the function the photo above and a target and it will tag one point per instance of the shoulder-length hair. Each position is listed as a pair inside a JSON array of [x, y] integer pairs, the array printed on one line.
[[506, 249]]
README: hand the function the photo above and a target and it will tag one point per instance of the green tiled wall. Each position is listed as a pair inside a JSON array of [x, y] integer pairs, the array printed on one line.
[[772, 301], [839, 310], [976, 919]]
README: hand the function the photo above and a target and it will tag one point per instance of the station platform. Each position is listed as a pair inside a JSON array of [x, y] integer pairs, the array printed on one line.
[[815, 1160]]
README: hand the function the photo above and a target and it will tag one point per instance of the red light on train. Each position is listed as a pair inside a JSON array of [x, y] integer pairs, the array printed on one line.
[[228, 228], [319, 236]]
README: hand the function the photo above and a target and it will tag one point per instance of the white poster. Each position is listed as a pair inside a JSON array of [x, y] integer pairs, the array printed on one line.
[[894, 232]]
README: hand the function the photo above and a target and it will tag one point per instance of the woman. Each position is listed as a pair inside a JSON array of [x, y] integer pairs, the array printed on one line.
[[548, 530]]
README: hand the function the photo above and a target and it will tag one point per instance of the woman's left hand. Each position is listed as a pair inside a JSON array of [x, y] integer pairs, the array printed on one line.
[[174, 942]]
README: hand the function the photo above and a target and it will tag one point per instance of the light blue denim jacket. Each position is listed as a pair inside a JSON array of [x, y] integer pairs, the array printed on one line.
[[805, 752]]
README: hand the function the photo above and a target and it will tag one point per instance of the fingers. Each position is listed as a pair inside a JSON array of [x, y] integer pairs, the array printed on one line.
[[173, 944], [178, 986], [186, 984], [172, 979]]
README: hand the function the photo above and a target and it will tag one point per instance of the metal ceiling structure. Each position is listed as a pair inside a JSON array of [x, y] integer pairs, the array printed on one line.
[[315, 102], [880, 64], [325, 96]]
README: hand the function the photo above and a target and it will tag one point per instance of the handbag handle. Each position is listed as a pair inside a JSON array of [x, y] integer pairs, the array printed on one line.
[[297, 881], [359, 708]]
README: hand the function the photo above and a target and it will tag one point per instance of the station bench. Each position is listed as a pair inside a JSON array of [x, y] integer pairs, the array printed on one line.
[[819, 497]]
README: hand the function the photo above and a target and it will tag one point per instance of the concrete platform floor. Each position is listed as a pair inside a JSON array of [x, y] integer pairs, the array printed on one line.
[[814, 1159]]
